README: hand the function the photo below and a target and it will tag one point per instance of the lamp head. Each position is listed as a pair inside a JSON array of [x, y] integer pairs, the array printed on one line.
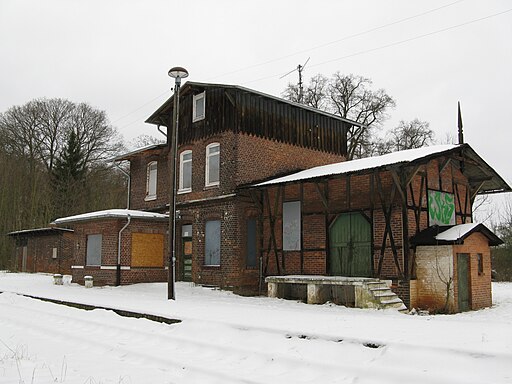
[[178, 72]]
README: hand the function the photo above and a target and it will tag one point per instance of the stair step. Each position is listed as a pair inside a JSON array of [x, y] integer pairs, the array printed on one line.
[[381, 295], [380, 289], [392, 301]]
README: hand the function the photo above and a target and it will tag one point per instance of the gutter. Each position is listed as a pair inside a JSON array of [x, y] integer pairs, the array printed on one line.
[[118, 274]]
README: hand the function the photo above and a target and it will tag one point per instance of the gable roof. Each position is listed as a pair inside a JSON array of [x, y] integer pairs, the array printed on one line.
[[477, 170], [167, 105], [112, 214], [454, 234]]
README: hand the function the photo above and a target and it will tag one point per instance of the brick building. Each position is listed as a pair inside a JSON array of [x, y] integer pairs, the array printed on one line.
[[47, 250], [118, 246], [263, 189], [357, 219]]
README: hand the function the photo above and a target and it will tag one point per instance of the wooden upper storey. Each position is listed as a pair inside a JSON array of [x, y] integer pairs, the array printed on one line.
[[239, 109]]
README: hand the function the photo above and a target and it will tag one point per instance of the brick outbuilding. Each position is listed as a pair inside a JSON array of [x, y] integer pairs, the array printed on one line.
[[119, 246], [47, 250]]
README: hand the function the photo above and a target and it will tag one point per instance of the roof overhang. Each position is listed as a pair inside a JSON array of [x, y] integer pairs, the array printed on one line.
[[148, 148], [40, 231], [482, 177]]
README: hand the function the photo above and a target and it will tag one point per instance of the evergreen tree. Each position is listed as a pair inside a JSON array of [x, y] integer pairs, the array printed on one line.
[[68, 178]]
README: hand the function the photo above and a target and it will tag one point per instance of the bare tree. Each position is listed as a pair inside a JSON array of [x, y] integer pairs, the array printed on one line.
[[411, 134], [349, 96], [144, 140]]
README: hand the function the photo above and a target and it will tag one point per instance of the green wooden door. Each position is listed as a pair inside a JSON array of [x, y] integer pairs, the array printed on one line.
[[350, 238], [463, 281]]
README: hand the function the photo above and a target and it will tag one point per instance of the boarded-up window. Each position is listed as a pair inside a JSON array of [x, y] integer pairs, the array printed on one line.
[[93, 250], [291, 226], [147, 250], [212, 243], [251, 242]]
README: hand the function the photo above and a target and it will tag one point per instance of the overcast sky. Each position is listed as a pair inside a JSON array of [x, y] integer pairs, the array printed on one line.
[[115, 55]]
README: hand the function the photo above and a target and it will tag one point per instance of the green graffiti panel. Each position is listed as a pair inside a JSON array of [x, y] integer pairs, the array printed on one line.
[[441, 208]]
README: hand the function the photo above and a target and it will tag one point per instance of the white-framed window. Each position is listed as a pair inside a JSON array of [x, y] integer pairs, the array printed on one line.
[[198, 107], [212, 243], [185, 172], [212, 164], [151, 178], [54, 253], [93, 255]]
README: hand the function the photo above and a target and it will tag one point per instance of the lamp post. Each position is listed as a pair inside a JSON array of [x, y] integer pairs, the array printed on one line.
[[177, 73]]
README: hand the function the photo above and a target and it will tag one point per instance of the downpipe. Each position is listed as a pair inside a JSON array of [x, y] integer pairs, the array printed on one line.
[[118, 272]]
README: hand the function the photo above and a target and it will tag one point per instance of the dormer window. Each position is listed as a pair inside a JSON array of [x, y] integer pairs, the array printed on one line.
[[198, 107], [151, 177]]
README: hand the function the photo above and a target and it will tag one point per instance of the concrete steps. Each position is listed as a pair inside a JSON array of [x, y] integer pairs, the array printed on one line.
[[383, 296]]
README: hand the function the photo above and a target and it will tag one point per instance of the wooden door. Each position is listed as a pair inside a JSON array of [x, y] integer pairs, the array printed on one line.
[[463, 281], [350, 238], [187, 259]]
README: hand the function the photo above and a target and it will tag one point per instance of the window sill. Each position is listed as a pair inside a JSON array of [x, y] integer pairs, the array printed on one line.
[[150, 198], [183, 191], [217, 266], [211, 186]]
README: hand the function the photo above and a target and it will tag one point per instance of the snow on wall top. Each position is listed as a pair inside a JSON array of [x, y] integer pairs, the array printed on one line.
[[361, 164], [112, 213], [456, 232]]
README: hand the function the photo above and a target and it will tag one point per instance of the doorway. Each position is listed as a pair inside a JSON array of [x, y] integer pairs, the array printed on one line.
[[186, 252], [350, 240], [463, 282]]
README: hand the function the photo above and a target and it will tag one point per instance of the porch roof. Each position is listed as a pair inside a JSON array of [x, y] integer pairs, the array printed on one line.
[[454, 234], [112, 214], [39, 231], [477, 170]]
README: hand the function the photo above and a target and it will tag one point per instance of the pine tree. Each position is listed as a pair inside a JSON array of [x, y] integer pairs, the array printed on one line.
[[68, 178]]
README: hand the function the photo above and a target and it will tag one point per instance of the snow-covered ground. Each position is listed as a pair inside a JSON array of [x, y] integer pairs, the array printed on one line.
[[224, 338]]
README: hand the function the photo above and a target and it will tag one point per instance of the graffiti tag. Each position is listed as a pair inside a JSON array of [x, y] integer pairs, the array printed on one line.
[[441, 208]]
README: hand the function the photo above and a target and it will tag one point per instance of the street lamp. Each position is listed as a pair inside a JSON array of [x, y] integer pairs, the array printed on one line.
[[177, 73]]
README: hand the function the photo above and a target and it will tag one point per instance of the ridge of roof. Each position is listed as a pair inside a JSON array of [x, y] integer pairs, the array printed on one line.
[[112, 214]]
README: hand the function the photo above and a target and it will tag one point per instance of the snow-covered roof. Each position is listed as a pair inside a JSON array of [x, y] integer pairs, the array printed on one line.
[[112, 214], [453, 234], [362, 164], [456, 232]]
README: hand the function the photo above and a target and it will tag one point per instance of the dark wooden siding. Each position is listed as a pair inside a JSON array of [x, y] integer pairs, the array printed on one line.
[[239, 110]]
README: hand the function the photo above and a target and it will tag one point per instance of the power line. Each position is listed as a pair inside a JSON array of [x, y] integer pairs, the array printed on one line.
[[394, 43], [348, 37], [300, 52]]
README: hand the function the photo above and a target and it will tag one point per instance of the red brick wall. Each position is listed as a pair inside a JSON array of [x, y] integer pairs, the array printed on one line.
[[260, 159], [479, 284], [40, 253], [138, 178], [109, 229]]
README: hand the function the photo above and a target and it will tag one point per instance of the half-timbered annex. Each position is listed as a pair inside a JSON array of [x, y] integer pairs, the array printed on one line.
[[357, 218]]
